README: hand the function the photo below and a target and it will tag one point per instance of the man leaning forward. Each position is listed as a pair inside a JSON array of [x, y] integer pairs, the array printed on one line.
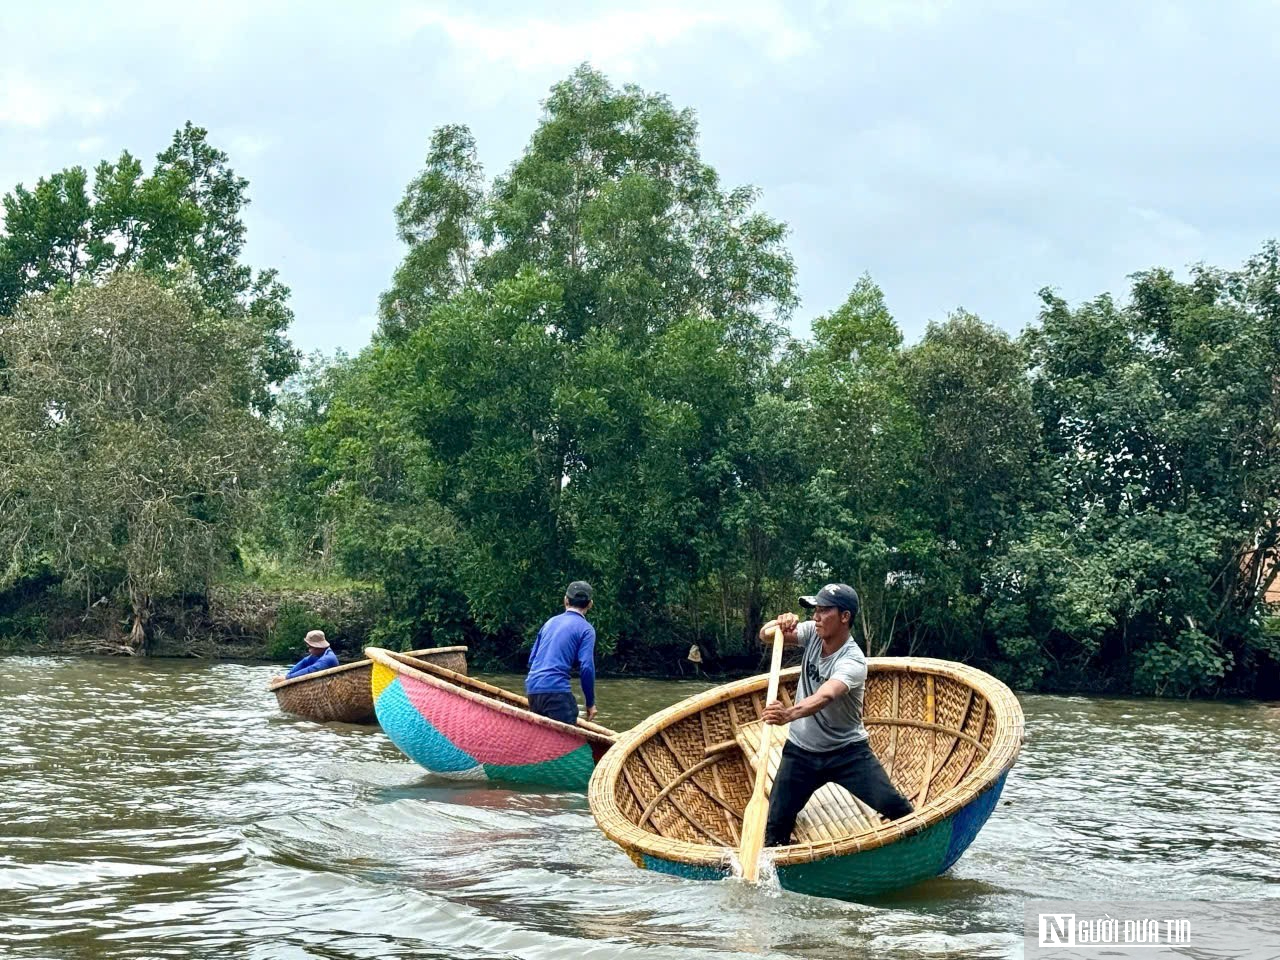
[[827, 742]]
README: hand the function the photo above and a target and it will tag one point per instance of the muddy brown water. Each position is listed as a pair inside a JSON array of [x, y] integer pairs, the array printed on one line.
[[166, 809]]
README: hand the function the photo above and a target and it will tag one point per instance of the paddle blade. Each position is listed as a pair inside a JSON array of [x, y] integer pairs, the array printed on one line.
[[753, 824], [756, 815]]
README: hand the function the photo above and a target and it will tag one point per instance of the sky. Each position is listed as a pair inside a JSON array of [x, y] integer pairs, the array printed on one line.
[[963, 154]]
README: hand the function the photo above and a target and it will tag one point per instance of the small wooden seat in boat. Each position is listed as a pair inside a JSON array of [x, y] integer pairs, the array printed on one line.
[[831, 813]]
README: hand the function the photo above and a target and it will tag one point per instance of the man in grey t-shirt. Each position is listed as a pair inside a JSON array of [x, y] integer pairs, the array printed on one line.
[[827, 741]]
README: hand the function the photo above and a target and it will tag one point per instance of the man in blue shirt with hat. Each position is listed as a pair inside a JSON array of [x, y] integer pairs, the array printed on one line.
[[320, 656], [565, 641], [827, 741]]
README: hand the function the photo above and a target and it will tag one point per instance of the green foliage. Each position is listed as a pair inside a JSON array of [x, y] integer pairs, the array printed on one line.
[[293, 622], [581, 373], [1191, 662], [23, 589], [130, 456], [182, 224], [268, 570], [1160, 420], [568, 352], [18, 630]]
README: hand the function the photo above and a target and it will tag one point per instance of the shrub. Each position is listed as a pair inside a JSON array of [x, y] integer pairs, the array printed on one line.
[[293, 621]]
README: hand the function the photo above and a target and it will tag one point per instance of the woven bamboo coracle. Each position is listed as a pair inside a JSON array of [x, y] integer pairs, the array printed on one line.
[[343, 693], [460, 727], [673, 789]]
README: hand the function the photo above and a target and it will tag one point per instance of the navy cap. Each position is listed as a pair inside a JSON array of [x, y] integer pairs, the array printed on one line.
[[838, 595], [578, 593]]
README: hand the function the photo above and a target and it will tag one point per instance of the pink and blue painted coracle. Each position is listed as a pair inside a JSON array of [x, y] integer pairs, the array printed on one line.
[[459, 727]]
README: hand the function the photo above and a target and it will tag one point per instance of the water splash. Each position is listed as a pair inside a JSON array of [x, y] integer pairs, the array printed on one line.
[[767, 874], [183, 813]]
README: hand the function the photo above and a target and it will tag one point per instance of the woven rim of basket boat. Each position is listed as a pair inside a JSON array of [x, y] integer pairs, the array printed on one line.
[[1005, 745], [275, 685], [495, 698]]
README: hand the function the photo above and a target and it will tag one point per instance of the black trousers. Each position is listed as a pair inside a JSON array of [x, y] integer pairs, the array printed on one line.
[[801, 772], [557, 706]]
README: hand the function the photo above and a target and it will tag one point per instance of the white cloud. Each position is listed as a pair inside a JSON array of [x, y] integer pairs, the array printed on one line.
[[205, 34], [610, 40], [892, 14], [1143, 237], [249, 145], [911, 149], [34, 104]]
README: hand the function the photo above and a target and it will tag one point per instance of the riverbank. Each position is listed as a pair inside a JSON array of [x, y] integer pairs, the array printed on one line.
[[243, 631], [247, 621], [251, 619], [236, 621]]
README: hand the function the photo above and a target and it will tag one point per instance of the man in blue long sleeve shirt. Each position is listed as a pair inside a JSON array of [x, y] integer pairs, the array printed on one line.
[[319, 657], [565, 641]]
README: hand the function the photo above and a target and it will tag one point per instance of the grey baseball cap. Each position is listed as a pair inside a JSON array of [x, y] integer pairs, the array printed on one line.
[[578, 593], [838, 595]]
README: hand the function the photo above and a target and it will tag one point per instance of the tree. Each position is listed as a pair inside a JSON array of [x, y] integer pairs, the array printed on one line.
[[852, 377], [922, 464], [182, 222], [130, 456], [761, 492], [439, 220], [293, 522], [569, 349], [1161, 415], [613, 201], [976, 470]]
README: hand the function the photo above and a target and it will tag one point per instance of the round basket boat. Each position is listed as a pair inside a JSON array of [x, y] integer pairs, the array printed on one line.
[[673, 789], [344, 693], [463, 728]]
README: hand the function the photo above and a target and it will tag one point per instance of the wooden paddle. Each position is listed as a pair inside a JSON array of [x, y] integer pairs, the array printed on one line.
[[757, 812]]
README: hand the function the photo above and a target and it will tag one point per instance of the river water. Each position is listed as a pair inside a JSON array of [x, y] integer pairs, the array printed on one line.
[[166, 809]]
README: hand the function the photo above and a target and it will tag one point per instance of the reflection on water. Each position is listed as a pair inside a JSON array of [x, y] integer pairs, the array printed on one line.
[[167, 810]]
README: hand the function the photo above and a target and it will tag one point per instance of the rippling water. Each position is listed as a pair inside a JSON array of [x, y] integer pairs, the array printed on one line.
[[165, 809]]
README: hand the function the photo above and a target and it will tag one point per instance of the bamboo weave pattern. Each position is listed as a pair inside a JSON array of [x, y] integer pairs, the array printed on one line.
[[673, 790], [343, 693], [460, 728]]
